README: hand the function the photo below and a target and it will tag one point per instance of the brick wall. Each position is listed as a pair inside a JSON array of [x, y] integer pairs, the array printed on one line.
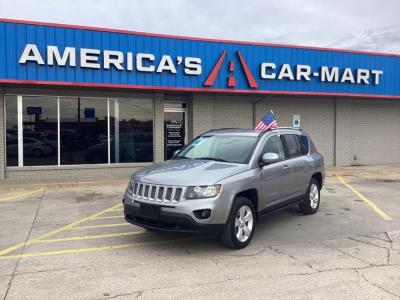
[[158, 137], [210, 112], [368, 132], [2, 137], [317, 119]]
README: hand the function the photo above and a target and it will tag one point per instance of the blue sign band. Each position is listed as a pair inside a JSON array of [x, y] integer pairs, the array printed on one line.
[[55, 54]]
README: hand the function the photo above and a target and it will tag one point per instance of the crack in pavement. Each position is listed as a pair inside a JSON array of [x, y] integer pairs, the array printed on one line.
[[391, 247], [376, 238], [138, 293], [375, 284], [53, 270], [367, 243], [25, 244], [295, 258], [352, 256], [378, 246]]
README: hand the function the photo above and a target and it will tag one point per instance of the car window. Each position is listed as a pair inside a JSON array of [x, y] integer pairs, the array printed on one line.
[[293, 149], [274, 145], [228, 148], [303, 141]]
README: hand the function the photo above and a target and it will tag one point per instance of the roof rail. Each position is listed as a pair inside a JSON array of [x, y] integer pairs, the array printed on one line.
[[287, 128], [215, 129]]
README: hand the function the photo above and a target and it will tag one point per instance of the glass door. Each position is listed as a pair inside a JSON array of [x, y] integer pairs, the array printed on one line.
[[175, 123]]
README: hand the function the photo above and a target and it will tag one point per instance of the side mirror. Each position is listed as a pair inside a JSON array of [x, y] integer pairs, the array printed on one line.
[[175, 153], [269, 158]]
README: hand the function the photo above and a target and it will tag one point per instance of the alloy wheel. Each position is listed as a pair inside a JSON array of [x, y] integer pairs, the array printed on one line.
[[244, 222]]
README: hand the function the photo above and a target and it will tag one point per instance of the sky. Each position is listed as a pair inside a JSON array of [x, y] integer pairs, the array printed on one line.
[[372, 25]]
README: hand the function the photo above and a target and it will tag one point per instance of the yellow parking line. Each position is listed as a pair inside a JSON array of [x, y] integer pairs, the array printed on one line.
[[117, 209], [365, 199], [50, 233], [110, 217], [100, 226], [88, 237], [81, 250], [5, 199]]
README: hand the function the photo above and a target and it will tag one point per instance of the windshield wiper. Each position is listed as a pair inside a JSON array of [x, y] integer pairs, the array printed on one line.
[[181, 157], [213, 158]]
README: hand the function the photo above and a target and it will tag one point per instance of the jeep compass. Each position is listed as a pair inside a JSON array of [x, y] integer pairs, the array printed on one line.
[[223, 181]]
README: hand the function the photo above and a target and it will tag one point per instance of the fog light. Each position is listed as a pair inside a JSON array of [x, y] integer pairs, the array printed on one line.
[[202, 213]]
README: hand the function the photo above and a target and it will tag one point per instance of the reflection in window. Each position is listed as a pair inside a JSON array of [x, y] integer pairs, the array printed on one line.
[[83, 131], [40, 131], [11, 130], [131, 130]]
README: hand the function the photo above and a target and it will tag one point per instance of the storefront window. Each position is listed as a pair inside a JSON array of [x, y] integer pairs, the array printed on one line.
[[83, 128], [131, 130], [40, 131], [88, 131], [11, 130]]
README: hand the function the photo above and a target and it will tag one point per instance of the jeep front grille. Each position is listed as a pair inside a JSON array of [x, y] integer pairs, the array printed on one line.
[[158, 193]]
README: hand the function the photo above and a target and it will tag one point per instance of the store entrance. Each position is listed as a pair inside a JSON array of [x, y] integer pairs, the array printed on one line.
[[175, 128]]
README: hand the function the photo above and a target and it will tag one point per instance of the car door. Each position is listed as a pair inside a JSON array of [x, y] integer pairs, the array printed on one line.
[[274, 177], [297, 164]]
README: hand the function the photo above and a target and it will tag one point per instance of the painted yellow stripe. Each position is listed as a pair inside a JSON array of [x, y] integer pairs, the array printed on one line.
[[88, 237], [117, 209], [82, 250], [110, 217], [19, 195], [365, 199], [50, 233], [101, 226]]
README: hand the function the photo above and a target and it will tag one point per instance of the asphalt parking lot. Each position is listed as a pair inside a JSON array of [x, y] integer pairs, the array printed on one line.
[[69, 240]]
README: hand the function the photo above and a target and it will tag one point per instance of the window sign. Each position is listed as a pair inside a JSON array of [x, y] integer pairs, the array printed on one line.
[[296, 121]]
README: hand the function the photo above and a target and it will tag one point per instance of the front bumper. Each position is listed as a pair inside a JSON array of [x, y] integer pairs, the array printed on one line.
[[169, 221]]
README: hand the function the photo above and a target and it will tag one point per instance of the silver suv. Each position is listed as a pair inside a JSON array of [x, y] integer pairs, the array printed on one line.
[[224, 180]]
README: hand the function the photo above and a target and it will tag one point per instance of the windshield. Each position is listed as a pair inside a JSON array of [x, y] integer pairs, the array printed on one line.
[[234, 149]]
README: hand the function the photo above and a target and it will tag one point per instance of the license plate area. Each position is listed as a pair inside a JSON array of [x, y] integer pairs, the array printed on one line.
[[150, 211]]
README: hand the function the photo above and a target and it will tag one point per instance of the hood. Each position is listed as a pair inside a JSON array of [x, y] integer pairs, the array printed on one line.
[[188, 172]]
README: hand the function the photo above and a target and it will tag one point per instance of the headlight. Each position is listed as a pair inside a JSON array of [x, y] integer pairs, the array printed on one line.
[[131, 184], [204, 191]]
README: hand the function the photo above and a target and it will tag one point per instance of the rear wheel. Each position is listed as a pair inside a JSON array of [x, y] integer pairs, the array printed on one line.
[[239, 229], [312, 198]]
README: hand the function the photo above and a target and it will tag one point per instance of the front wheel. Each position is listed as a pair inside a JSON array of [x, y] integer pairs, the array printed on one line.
[[312, 198], [239, 229]]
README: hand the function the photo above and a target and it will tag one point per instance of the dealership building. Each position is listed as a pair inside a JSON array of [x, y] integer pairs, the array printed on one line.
[[83, 101]]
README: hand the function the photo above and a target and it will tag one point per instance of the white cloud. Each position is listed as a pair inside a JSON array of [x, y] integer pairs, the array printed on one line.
[[340, 23]]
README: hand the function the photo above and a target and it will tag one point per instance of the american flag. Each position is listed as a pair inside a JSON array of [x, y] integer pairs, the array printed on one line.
[[267, 122]]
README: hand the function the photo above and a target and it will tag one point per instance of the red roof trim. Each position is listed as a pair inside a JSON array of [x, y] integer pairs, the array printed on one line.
[[193, 38], [200, 90]]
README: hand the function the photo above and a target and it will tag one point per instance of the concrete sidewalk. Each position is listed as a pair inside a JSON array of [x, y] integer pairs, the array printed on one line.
[[389, 173], [380, 172]]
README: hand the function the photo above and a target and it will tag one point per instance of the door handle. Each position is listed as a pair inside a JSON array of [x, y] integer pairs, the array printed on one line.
[[286, 167]]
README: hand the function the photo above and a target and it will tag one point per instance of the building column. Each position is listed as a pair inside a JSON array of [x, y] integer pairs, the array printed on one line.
[[2, 137], [202, 113], [158, 137], [343, 133]]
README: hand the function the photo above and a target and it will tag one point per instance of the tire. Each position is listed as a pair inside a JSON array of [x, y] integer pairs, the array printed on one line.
[[240, 211], [312, 198]]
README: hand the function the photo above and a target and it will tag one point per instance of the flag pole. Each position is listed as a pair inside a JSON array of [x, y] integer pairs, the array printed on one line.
[[277, 128]]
